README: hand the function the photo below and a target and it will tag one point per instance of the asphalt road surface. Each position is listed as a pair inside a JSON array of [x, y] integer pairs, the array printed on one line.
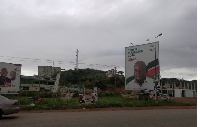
[[122, 118]]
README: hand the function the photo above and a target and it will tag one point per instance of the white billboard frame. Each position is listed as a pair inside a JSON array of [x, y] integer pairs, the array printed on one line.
[[142, 58]]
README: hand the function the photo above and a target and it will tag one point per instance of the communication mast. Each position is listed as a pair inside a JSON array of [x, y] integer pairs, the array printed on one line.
[[76, 68]]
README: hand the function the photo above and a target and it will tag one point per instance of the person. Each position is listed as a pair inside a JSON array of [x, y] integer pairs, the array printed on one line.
[[12, 75], [140, 81], [140, 72], [4, 80]]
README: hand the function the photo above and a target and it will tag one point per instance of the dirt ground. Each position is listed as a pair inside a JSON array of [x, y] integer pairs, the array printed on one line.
[[185, 99]]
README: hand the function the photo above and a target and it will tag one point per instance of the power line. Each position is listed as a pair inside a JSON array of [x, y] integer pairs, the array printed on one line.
[[60, 62]]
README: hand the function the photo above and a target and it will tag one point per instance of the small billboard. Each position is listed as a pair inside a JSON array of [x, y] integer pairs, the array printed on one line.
[[141, 63], [9, 78]]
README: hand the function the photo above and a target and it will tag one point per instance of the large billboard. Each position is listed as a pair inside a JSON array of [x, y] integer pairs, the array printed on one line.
[[141, 63], [10, 77]]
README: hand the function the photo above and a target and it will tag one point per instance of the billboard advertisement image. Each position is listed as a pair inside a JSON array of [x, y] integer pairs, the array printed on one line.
[[10, 77], [141, 63]]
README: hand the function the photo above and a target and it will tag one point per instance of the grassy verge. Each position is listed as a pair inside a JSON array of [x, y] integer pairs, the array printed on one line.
[[50, 102], [104, 102]]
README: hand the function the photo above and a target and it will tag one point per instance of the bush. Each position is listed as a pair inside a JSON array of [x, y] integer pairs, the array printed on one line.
[[42, 94], [28, 93], [109, 94]]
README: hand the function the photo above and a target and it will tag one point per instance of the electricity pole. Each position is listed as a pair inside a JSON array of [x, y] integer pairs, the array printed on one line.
[[115, 76], [155, 76]]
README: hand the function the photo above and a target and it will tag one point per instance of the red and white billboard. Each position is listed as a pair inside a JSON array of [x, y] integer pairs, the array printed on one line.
[[141, 63], [9, 77]]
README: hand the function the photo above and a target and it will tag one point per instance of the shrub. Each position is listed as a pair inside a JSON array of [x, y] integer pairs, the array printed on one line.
[[42, 94], [109, 94]]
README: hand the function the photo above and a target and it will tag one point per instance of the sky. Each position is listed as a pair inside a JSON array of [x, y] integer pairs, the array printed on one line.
[[49, 32]]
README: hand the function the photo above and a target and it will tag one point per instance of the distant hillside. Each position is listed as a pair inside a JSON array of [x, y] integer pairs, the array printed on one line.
[[90, 78]]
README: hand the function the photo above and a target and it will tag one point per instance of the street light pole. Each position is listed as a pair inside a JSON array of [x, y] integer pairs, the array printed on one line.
[[155, 76]]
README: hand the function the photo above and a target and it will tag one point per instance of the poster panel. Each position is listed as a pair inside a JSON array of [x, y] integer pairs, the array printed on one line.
[[9, 78], [141, 63]]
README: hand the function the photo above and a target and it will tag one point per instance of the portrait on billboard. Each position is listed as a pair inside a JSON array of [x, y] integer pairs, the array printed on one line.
[[13, 75], [142, 66], [10, 77], [4, 80]]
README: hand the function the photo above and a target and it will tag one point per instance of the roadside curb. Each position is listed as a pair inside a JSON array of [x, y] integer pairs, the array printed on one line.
[[113, 109]]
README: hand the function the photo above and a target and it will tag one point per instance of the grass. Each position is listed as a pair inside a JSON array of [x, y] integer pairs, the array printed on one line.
[[104, 102], [56, 103]]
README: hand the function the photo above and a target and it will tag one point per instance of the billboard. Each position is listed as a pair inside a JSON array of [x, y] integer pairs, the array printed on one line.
[[141, 63], [9, 77]]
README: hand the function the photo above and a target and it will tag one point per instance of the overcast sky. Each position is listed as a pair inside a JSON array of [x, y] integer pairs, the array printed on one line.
[[37, 32]]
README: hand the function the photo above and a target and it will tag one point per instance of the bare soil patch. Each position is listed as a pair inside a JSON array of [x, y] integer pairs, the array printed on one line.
[[184, 99]]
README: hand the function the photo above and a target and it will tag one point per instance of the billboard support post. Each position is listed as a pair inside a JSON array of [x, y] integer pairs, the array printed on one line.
[[155, 76]]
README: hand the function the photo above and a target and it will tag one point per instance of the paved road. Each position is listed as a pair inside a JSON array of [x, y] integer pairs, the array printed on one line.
[[123, 118]]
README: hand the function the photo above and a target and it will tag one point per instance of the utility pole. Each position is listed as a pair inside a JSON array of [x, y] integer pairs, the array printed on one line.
[[115, 76], [76, 68]]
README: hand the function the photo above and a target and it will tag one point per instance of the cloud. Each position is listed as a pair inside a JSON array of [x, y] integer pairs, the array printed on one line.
[[101, 30]]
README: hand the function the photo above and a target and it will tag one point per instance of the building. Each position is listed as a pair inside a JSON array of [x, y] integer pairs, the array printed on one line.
[[113, 72], [47, 79], [179, 88], [48, 71], [36, 83]]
